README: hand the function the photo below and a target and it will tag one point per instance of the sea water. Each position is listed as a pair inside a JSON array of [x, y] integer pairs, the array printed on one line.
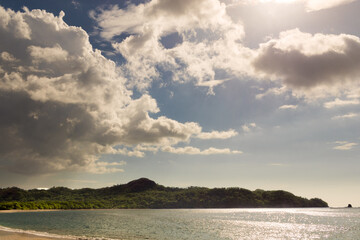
[[197, 224]]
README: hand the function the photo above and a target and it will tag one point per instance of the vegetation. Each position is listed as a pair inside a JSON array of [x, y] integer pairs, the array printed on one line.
[[144, 193]]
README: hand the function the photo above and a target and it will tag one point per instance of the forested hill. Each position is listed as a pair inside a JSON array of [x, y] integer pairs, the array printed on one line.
[[145, 193]]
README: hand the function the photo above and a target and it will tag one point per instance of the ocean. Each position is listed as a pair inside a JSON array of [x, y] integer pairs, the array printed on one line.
[[191, 224]]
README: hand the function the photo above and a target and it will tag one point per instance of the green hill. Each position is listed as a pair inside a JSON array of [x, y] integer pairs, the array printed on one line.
[[145, 193]]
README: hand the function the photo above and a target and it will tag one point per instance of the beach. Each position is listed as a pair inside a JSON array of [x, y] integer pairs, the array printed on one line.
[[4, 235], [14, 234], [38, 210]]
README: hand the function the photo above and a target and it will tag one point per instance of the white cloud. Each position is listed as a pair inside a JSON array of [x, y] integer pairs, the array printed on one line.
[[248, 127], [72, 104], [288, 107], [340, 103], [209, 40], [211, 84], [5, 56], [147, 148], [166, 15], [344, 145], [245, 128], [106, 167], [309, 65], [47, 54], [197, 151], [217, 135], [272, 91], [346, 116]]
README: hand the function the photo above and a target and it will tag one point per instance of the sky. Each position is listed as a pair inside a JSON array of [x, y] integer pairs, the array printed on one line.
[[261, 94]]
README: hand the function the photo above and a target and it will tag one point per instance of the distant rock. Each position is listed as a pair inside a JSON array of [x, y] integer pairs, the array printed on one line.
[[349, 205]]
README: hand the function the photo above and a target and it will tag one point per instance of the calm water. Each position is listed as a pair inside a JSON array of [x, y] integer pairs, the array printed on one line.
[[203, 224]]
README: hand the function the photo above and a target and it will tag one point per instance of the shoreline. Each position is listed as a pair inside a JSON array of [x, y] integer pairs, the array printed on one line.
[[4, 235], [7, 233], [17, 234]]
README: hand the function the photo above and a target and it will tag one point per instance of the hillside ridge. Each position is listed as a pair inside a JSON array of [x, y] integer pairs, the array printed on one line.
[[145, 193]]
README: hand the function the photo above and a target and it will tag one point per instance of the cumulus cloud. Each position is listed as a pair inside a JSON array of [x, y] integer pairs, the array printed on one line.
[[217, 135], [305, 61], [179, 15], [7, 57], [208, 40], [62, 104], [344, 145], [197, 151]]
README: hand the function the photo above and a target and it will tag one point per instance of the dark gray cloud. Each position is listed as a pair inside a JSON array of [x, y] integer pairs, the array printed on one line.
[[43, 136]]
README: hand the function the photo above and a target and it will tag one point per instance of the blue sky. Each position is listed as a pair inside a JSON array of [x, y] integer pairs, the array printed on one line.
[[215, 93]]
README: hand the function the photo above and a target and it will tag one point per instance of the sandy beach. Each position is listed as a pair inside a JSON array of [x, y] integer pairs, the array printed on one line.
[[39, 210], [24, 236]]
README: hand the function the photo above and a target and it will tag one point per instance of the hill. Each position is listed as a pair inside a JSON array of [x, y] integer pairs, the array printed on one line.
[[145, 193]]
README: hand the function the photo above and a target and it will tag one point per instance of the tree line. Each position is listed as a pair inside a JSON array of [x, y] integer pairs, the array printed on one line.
[[145, 193]]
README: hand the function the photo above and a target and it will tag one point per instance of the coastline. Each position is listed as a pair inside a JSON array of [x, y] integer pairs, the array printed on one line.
[[37, 210], [7, 235], [16, 234]]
